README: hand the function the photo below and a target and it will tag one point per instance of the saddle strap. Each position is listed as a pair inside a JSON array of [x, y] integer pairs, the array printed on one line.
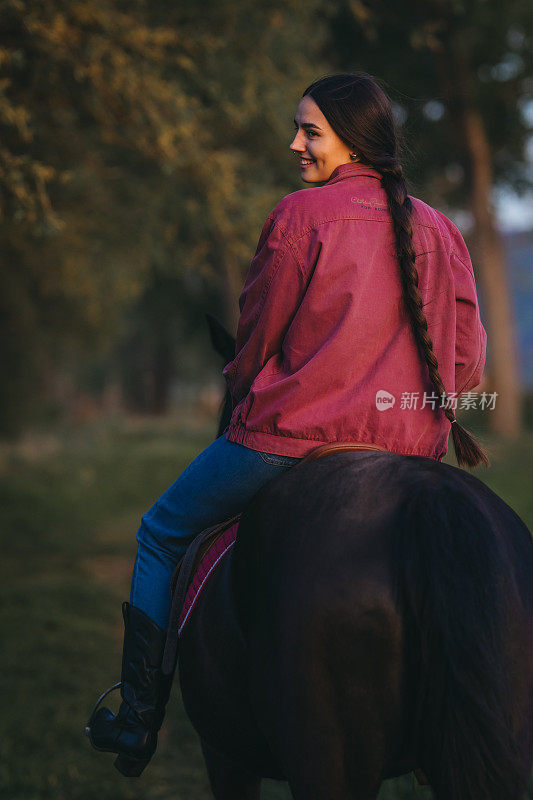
[[340, 447]]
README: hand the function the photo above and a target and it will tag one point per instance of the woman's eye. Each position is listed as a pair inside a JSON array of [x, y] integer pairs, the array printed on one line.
[[309, 132]]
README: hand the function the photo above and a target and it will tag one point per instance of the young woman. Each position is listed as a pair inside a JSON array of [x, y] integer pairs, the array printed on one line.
[[358, 319]]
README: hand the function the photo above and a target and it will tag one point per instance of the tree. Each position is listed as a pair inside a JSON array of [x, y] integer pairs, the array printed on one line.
[[85, 106], [138, 145], [462, 67]]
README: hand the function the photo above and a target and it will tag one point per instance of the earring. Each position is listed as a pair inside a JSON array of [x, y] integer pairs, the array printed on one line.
[[353, 156]]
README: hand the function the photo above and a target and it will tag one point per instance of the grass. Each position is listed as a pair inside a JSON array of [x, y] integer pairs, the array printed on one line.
[[71, 504]]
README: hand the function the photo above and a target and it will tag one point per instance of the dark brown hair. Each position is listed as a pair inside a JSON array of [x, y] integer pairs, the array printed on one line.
[[361, 114]]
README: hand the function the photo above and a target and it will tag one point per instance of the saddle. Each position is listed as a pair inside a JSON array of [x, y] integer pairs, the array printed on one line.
[[204, 553]]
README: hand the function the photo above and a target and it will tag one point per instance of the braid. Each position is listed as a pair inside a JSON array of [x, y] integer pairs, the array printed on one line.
[[468, 451]]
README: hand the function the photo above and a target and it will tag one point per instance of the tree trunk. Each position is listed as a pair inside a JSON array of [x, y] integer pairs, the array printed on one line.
[[488, 250], [232, 284], [162, 375]]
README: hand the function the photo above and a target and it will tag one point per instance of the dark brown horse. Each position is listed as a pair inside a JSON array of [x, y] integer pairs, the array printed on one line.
[[374, 616]]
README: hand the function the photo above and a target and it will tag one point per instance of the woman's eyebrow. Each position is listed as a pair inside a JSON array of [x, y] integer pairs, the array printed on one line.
[[307, 125]]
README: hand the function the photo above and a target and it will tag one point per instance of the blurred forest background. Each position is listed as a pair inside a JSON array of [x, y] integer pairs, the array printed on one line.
[[142, 146]]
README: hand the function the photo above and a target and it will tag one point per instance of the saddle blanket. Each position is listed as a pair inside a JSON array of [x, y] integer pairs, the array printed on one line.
[[205, 567]]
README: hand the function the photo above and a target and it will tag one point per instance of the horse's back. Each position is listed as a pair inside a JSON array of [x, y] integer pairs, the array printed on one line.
[[342, 512]]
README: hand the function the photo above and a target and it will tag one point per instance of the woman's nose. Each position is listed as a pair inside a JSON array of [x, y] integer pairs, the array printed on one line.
[[296, 144]]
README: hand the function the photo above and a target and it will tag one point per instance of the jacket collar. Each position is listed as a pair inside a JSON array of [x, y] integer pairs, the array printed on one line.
[[352, 169]]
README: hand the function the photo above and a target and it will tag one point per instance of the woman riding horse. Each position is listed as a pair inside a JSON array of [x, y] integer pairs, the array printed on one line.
[[359, 322]]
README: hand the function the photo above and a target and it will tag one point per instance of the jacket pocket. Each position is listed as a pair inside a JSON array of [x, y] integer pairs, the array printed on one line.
[[267, 376]]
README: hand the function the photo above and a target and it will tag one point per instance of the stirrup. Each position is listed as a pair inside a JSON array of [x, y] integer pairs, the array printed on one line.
[[104, 694], [130, 767]]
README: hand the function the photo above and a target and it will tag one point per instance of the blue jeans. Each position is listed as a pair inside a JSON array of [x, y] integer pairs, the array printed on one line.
[[215, 486]]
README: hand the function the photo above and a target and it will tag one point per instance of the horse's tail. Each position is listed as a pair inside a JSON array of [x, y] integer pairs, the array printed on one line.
[[453, 584]]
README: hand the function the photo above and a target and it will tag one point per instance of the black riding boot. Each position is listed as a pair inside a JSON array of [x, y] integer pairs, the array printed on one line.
[[145, 690]]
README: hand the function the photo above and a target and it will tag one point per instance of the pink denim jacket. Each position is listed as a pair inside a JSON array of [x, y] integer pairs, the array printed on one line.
[[324, 349]]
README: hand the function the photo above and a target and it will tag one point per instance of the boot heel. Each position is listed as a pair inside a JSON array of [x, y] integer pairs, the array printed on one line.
[[130, 767]]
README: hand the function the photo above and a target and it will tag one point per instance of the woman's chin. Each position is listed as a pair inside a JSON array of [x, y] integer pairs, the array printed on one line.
[[311, 178], [311, 174]]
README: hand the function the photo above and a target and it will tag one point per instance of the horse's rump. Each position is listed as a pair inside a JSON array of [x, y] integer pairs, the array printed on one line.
[[370, 568]]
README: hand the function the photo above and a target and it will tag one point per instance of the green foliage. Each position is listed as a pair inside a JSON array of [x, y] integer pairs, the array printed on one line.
[[137, 148]]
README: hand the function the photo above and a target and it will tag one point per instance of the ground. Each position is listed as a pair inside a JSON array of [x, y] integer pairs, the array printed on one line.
[[71, 502]]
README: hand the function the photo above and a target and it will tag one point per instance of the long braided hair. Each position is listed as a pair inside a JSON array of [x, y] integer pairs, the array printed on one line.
[[360, 113]]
